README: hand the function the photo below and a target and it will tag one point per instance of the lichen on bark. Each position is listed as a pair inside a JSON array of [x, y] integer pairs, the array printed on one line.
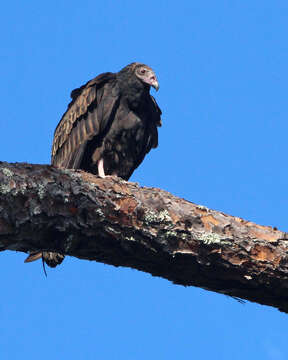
[[119, 223]]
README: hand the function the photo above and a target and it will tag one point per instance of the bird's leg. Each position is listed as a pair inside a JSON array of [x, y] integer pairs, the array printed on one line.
[[101, 172]]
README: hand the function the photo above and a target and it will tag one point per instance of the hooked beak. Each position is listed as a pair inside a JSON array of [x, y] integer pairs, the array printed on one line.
[[155, 84], [152, 80]]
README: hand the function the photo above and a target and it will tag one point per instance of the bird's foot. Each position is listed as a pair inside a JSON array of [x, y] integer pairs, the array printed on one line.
[[101, 172]]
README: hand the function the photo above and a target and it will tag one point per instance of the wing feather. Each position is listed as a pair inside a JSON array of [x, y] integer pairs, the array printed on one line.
[[81, 121], [155, 115]]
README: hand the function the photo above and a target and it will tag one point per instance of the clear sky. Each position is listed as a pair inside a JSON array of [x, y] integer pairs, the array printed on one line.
[[222, 68]]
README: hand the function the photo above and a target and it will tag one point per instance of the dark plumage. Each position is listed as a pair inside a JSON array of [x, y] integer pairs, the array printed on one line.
[[109, 126], [111, 123]]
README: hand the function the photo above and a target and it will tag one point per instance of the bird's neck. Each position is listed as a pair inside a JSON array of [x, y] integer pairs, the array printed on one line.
[[134, 91]]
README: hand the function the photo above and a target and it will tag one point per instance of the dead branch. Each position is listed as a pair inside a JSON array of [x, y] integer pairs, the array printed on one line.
[[119, 223]]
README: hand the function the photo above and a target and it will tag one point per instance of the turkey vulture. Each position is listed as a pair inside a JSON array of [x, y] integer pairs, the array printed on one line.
[[109, 126]]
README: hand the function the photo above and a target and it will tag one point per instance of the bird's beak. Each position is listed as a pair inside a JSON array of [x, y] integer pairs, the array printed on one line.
[[152, 80], [155, 84]]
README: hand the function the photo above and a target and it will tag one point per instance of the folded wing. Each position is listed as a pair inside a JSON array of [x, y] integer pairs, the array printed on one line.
[[86, 118]]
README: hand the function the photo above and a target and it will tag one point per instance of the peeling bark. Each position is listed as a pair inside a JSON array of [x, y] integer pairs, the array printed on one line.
[[119, 223]]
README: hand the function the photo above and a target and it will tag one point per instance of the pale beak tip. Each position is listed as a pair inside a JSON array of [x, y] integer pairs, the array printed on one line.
[[156, 86]]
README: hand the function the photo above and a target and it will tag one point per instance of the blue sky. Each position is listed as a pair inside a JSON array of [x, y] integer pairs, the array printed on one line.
[[222, 68]]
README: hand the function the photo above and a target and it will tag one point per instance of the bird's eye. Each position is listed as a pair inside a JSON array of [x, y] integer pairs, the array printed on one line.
[[142, 71]]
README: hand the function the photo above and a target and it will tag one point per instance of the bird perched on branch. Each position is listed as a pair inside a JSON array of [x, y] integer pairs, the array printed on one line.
[[109, 126]]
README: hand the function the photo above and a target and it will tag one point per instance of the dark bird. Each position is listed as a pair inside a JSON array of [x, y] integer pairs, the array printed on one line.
[[109, 126]]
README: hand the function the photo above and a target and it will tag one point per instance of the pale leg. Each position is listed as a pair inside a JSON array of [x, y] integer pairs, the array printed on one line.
[[101, 172]]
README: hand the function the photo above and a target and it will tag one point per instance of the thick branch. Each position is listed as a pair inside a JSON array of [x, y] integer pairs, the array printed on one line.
[[117, 222]]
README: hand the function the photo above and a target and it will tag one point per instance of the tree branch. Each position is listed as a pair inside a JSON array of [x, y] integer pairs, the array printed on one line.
[[119, 223]]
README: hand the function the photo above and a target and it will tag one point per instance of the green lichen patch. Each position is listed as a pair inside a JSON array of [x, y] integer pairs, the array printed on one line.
[[171, 233], [4, 189], [185, 236], [151, 217], [212, 238], [41, 191], [7, 172], [22, 188], [99, 212], [11, 188]]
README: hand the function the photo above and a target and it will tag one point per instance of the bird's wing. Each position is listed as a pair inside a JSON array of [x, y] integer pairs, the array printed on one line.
[[87, 116], [157, 111], [155, 121]]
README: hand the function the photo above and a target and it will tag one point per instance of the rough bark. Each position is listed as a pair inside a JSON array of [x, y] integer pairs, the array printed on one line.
[[119, 223]]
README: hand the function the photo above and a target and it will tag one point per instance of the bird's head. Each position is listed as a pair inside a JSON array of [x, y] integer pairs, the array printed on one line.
[[142, 72], [146, 75]]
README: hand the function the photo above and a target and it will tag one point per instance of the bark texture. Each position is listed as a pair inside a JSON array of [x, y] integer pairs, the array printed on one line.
[[119, 223]]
